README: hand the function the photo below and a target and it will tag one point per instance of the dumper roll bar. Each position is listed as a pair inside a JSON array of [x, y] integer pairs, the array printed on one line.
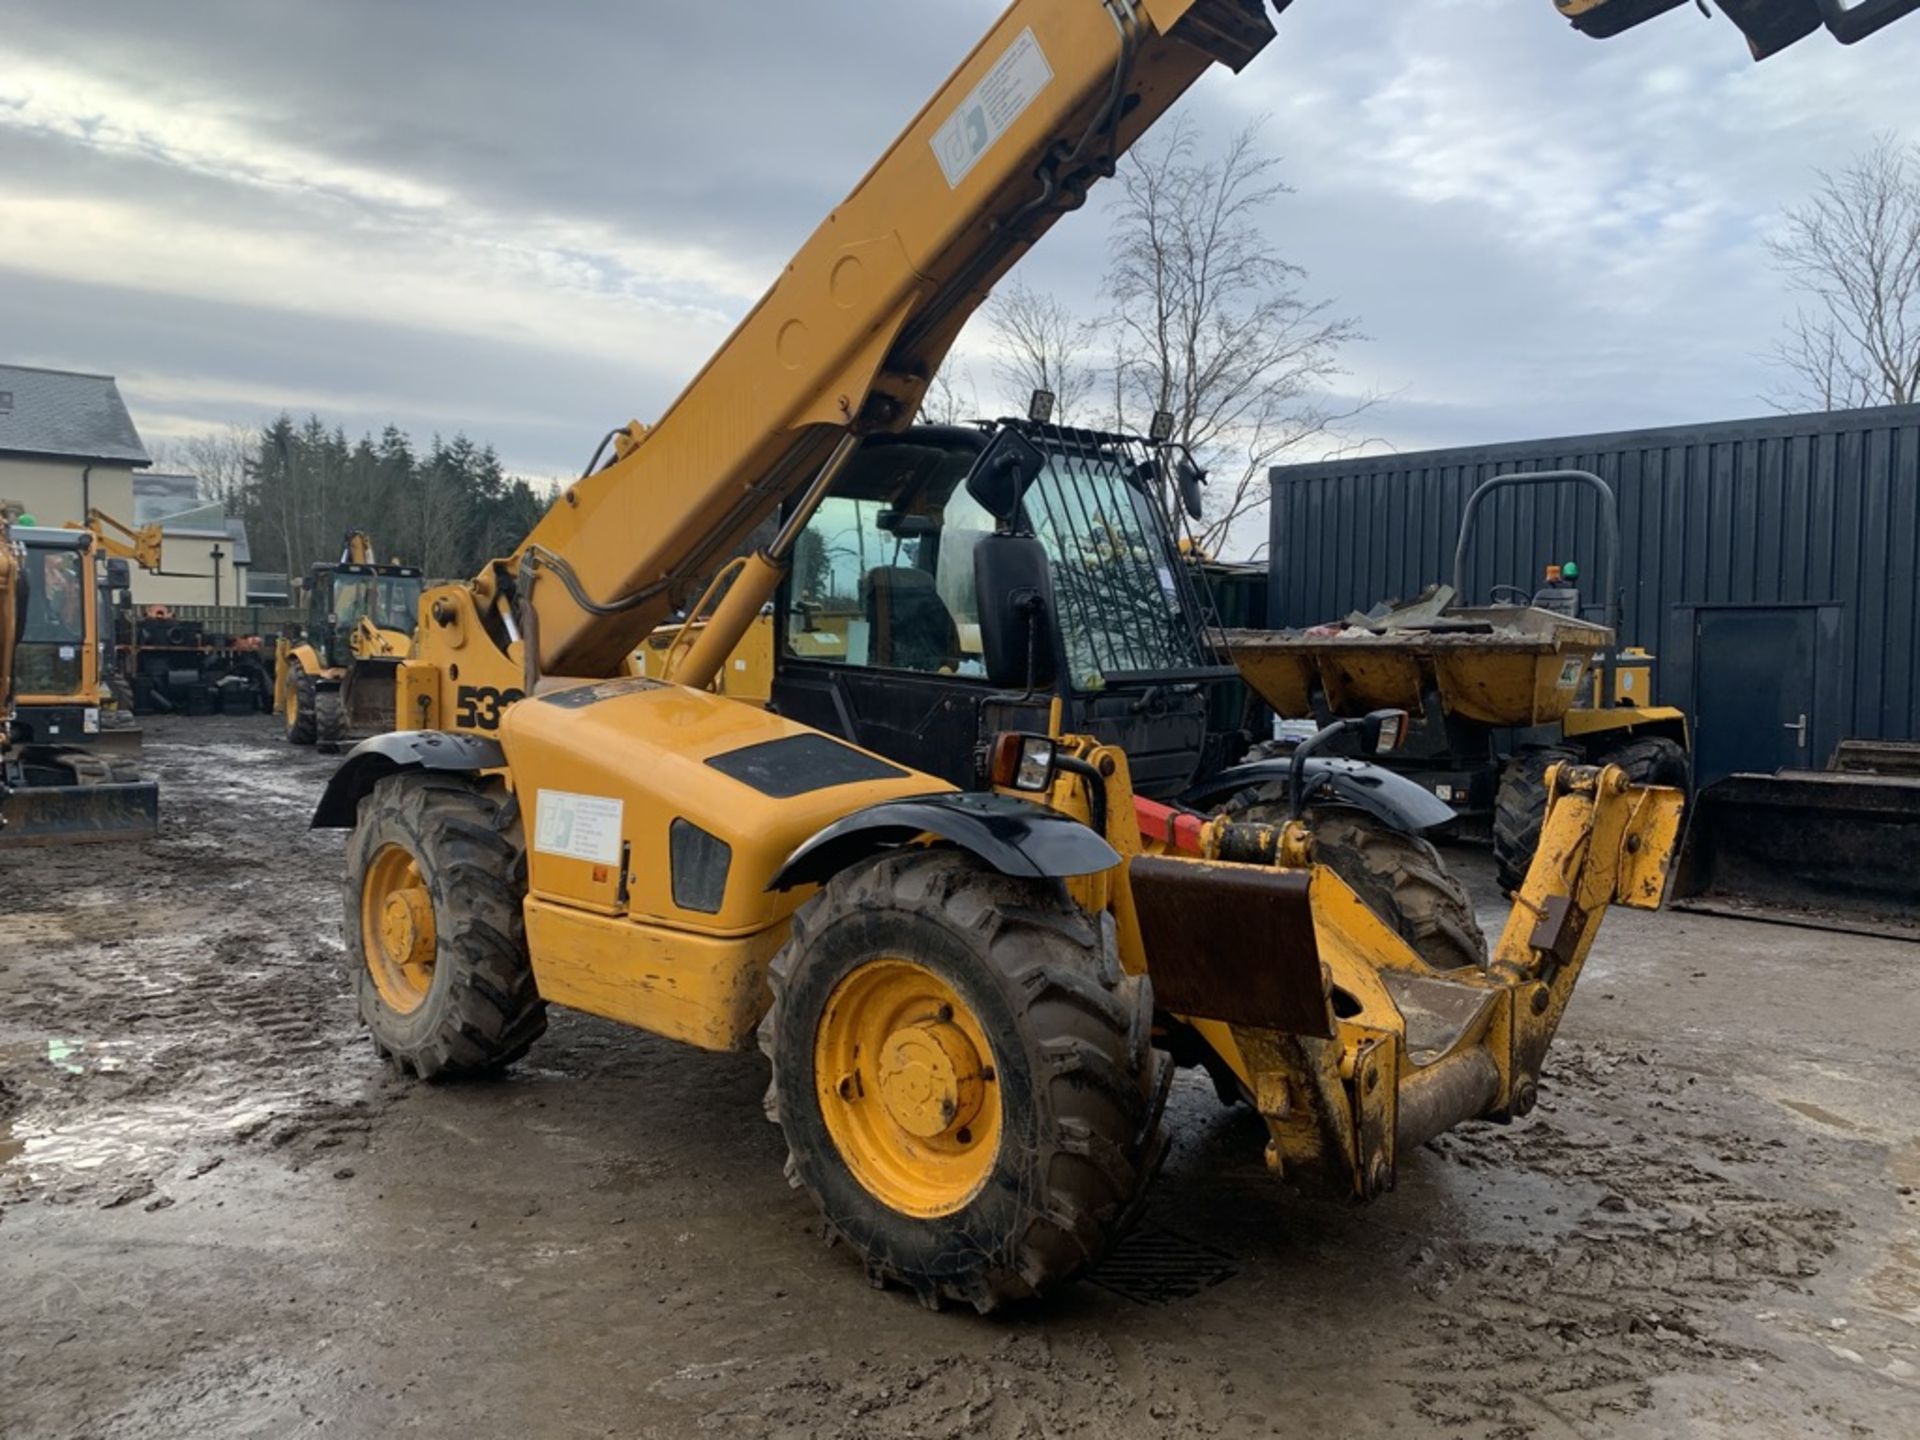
[[1610, 541]]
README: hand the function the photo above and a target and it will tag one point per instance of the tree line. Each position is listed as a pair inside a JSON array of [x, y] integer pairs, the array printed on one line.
[[301, 486]]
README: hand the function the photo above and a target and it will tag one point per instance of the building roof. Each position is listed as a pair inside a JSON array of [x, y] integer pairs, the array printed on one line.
[[66, 414]]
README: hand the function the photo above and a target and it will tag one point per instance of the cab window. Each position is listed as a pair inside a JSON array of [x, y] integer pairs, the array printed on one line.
[[49, 659], [877, 585]]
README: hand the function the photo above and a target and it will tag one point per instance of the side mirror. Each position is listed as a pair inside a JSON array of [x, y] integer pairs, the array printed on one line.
[[1379, 732], [1015, 588], [119, 574], [1000, 477]]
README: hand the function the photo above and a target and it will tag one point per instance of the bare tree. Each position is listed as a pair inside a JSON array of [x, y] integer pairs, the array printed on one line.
[[1212, 325], [1043, 345], [218, 459], [1854, 250], [944, 403]]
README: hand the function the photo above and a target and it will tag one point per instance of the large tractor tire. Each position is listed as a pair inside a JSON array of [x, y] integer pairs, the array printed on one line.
[[329, 721], [301, 706], [433, 927], [964, 1076], [1401, 877], [1520, 810]]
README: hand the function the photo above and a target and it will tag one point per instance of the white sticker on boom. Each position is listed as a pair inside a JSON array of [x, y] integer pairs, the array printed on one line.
[[996, 102], [583, 827]]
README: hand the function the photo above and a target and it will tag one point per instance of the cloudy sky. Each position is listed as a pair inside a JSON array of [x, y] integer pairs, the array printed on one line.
[[530, 222]]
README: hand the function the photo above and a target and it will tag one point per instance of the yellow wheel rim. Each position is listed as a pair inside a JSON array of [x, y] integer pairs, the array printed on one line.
[[908, 1089], [396, 929], [293, 702]]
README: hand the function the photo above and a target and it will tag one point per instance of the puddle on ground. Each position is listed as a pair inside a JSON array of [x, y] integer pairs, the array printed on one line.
[[131, 1139], [76, 1057]]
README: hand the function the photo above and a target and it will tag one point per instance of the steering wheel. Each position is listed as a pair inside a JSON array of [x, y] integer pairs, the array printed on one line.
[[1523, 597]]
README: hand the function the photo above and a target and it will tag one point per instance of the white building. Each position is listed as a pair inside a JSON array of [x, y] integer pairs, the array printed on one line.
[[205, 558], [66, 443]]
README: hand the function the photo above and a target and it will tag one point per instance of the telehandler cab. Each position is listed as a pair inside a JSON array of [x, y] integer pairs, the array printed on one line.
[[972, 999]]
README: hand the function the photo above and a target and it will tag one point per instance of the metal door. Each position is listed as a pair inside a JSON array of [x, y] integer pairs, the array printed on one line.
[[1754, 688]]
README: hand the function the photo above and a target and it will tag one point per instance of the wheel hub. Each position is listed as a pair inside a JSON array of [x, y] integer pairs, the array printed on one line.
[[906, 1084], [931, 1079], [406, 926], [397, 933]]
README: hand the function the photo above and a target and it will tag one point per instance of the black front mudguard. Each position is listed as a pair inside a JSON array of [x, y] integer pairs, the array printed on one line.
[[371, 761], [1013, 836]]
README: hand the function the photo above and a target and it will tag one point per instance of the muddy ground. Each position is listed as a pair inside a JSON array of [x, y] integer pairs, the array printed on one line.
[[219, 1217]]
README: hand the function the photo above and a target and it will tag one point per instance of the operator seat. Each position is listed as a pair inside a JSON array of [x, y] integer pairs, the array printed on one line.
[[910, 625]]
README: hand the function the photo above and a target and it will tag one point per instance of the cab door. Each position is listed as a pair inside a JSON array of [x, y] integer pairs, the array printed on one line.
[[877, 639]]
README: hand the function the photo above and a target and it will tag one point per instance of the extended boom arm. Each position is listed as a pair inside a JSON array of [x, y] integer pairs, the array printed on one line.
[[851, 332]]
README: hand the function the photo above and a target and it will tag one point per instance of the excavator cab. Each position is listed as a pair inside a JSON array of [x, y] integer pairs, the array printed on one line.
[[57, 781]]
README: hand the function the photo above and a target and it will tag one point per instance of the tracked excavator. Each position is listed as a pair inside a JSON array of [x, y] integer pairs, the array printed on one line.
[[973, 999], [62, 779]]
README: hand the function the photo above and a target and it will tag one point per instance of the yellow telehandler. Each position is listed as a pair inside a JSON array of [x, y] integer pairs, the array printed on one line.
[[972, 998]]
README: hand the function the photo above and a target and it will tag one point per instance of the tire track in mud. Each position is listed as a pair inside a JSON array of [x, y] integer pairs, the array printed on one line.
[[1678, 1227], [162, 1003]]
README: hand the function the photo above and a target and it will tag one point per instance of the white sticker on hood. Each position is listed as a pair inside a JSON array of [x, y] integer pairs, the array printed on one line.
[[581, 827]]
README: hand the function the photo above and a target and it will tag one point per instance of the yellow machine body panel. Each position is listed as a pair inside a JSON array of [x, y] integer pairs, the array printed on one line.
[[747, 674], [655, 818], [1584, 723]]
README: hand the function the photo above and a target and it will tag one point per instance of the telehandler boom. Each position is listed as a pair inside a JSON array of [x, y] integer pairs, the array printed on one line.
[[972, 1000]]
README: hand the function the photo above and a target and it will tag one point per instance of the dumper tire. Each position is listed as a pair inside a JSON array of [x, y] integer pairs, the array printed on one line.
[[329, 721], [301, 718], [1649, 760], [1520, 812], [1401, 877], [479, 1009], [1075, 1086]]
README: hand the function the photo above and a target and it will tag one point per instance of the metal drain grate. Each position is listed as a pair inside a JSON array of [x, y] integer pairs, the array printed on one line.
[[1153, 1266]]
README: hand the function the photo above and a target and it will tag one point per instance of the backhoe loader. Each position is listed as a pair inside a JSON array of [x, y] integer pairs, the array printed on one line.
[[59, 782], [972, 999], [338, 679]]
